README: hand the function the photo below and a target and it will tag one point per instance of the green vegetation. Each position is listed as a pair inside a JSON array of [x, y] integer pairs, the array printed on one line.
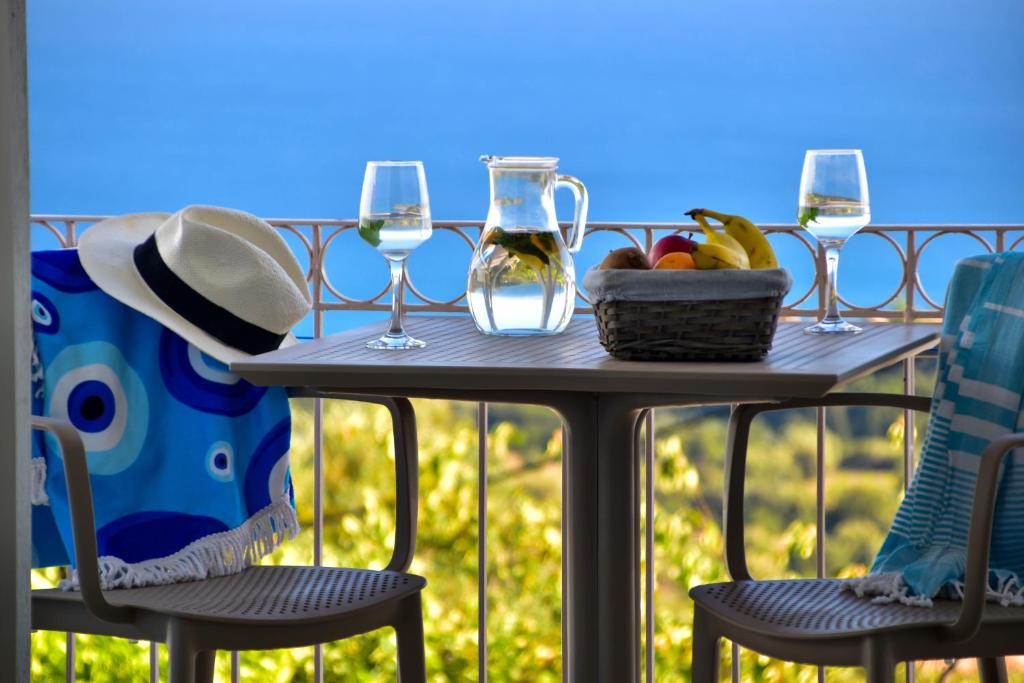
[[864, 479], [369, 230]]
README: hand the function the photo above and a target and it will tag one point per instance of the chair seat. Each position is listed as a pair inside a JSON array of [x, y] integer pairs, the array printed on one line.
[[823, 608], [260, 595]]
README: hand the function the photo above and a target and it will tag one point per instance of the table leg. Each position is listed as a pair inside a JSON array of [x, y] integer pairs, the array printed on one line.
[[602, 508], [618, 522], [579, 508]]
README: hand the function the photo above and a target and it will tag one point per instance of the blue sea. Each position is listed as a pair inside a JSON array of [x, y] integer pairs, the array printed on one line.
[[657, 105]]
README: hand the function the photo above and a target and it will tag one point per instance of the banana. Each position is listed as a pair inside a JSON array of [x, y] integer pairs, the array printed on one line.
[[725, 240], [717, 257], [731, 244], [749, 236]]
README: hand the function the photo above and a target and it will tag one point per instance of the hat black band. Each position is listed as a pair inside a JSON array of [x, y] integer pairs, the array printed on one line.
[[216, 321]]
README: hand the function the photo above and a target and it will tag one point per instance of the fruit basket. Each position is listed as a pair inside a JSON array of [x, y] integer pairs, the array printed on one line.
[[687, 315]]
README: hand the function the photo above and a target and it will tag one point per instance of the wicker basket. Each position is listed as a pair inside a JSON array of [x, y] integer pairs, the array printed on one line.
[[686, 326]]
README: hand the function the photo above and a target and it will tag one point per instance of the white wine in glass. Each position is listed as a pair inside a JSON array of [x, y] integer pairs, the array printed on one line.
[[394, 218], [833, 206]]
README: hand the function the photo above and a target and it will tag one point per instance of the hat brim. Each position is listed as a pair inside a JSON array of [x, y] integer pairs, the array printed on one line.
[[106, 251]]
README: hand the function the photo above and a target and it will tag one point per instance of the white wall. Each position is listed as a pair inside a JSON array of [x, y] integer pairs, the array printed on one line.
[[15, 536]]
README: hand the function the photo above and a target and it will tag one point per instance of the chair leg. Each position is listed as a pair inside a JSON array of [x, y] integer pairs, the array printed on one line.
[[206, 665], [707, 654], [992, 670], [879, 662], [412, 666], [182, 654]]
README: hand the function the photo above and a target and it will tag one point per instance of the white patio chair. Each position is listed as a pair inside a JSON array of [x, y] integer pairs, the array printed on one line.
[[263, 607], [817, 621]]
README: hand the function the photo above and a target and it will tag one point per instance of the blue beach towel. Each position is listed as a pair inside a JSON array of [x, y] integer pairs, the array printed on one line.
[[979, 384], [188, 462]]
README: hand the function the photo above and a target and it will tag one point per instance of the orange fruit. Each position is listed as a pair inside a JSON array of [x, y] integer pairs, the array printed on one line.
[[677, 260]]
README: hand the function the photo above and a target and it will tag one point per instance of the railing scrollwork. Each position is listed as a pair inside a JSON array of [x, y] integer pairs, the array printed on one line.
[[909, 301], [316, 241]]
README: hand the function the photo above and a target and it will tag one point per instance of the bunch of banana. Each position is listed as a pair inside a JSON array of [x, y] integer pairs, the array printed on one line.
[[721, 251], [748, 237]]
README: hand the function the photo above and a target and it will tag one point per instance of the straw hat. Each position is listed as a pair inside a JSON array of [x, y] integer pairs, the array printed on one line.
[[222, 279]]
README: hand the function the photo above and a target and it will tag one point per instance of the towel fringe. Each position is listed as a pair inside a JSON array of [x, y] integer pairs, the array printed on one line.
[[220, 554], [1009, 592], [39, 495], [888, 587], [885, 588]]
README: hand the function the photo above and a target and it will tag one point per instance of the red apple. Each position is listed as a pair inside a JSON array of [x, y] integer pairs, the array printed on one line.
[[670, 244]]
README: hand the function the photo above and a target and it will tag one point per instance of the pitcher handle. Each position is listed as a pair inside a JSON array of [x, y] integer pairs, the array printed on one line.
[[579, 217]]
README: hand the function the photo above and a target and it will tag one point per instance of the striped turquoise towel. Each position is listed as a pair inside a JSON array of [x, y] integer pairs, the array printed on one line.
[[977, 398]]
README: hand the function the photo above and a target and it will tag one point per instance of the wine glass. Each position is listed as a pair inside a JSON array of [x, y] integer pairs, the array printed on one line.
[[833, 206], [394, 217]]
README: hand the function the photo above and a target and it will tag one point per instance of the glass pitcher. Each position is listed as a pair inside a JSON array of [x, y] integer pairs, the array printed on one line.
[[521, 279]]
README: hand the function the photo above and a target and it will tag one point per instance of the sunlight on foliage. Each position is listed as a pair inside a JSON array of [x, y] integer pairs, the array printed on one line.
[[864, 484]]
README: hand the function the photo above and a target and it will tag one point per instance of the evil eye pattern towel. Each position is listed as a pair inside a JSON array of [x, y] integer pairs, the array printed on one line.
[[977, 398], [188, 462]]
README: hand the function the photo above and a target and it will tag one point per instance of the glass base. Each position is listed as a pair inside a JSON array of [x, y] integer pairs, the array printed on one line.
[[395, 342], [529, 332], [832, 326]]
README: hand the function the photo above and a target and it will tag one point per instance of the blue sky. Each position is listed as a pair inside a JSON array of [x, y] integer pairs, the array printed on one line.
[[657, 106]]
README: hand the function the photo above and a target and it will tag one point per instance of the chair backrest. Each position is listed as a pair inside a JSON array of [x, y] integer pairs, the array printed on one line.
[[188, 462], [978, 398]]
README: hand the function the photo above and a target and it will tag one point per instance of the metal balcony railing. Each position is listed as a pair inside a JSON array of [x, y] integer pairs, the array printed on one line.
[[313, 240]]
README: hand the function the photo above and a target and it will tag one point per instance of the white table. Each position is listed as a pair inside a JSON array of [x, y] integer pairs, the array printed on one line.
[[600, 399]]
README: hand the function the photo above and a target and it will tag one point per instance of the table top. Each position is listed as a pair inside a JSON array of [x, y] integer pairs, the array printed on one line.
[[461, 361]]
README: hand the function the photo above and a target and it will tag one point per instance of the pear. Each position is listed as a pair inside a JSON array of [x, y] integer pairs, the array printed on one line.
[[626, 258]]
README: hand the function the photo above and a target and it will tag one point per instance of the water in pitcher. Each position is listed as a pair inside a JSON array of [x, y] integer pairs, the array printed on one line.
[[521, 282]]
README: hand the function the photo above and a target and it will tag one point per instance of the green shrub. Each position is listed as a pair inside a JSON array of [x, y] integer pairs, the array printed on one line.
[[524, 542]]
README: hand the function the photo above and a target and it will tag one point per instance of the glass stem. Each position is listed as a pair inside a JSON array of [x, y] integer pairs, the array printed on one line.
[[397, 292], [832, 275]]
